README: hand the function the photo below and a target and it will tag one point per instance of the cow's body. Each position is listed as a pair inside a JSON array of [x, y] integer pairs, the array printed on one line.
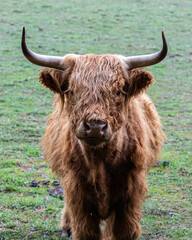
[[101, 139], [107, 182]]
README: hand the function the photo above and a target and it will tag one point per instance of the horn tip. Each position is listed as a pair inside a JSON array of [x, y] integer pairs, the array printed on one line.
[[23, 43], [23, 33], [23, 30], [163, 35], [164, 42]]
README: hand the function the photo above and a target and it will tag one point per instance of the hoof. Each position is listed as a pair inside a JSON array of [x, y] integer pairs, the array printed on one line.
[[66, 234]]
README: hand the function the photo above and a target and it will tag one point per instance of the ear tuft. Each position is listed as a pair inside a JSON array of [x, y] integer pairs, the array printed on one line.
[[55, 80], [46, 77], [139, 81]]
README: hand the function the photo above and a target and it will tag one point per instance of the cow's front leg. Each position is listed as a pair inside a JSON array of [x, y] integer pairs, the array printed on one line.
[[128, 209], [84, 220], [107, 233], [126, 223], [65, 223], [85, 225]]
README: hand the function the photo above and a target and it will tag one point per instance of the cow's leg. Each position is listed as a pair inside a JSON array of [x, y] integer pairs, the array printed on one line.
[[85, 225], [126, 225], [65, 223], [128, 211], [84, 220], [107, 233]]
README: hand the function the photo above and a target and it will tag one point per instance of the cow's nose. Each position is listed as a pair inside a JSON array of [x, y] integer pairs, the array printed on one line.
[[93, 133], [95, 129]]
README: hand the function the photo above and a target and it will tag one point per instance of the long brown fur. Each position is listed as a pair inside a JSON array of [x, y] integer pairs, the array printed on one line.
[[107, 182]]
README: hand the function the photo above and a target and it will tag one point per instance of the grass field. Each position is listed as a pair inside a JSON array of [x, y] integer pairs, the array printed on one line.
[[61, 27]]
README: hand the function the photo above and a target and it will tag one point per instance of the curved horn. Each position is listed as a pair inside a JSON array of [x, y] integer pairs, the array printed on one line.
[[147, 60], [41, 60]]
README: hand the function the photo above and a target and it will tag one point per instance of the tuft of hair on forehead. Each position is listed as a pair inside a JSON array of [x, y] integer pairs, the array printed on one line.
[[93, 69]]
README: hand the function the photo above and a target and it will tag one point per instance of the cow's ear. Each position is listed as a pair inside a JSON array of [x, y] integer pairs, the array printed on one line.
[[55, 80], [139, 81]]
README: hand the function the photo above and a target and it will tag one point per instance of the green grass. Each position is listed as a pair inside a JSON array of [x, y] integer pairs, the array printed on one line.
[[61, 27]]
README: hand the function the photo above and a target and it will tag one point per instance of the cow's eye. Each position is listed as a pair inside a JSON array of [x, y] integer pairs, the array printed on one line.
[[71, 92], [118, 93]]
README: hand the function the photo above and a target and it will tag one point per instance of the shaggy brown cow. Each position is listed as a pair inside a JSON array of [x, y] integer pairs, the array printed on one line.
[[101, 139]]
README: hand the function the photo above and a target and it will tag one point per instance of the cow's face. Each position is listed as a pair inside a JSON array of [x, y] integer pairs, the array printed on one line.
[[96, 92]]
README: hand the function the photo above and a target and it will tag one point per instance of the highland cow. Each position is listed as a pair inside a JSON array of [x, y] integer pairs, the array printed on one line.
[[101, 139]]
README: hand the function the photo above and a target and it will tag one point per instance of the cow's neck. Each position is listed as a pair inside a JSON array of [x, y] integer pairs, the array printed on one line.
[[95, 155], [99, 162], [97, 175]]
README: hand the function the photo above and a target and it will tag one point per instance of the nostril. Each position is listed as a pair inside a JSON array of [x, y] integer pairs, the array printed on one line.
[[87, 127], [104, 128]]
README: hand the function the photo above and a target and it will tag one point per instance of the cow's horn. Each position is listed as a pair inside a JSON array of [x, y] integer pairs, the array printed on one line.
[[147, 60], [41, 60]]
